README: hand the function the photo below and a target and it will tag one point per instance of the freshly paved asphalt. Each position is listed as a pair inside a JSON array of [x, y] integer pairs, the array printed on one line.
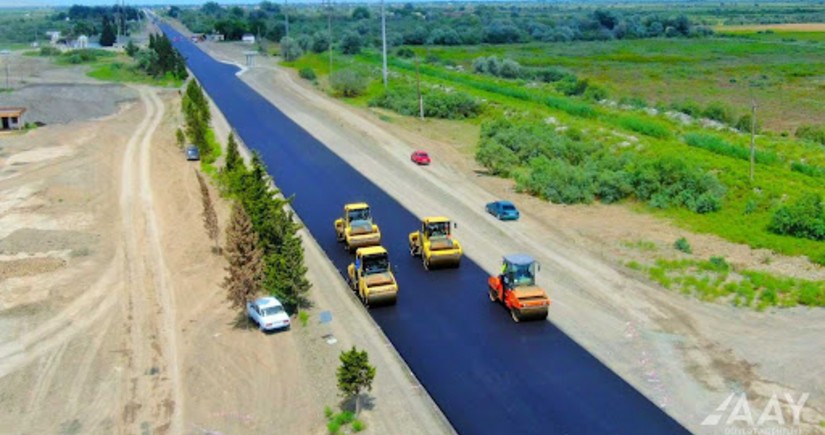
[[488, 374]]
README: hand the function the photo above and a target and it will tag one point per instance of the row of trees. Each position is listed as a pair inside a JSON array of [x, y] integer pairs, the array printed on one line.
[[160, 59], [197, 115], [441, 24]]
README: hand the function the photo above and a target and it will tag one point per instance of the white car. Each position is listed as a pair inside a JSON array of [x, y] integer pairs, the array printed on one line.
[[268, 314]]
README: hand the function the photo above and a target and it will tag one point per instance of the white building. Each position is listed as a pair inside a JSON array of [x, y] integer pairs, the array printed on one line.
[[248, 38]]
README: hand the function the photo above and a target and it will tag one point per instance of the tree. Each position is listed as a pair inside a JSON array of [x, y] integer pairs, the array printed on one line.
[[233, 157], [107, 34], [245, 270], [355, 375], [180, 138], [360, 13], [348, 83], [131, 49], [210, 217], [320, 42], [351, 43]]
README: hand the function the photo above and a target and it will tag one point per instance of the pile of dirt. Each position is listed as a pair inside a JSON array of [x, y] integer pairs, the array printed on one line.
[[65, 103], [29, 266]]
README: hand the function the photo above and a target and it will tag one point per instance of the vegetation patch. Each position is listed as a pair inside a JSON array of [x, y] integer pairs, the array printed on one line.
[[715, 279], [717, 145], [440, 104]]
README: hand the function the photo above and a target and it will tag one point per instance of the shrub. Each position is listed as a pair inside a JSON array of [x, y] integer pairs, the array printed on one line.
[[682, 245], [320, 42], [510, 69], [570, 86], [634, 102], [557, 181], [358, 426], [307, 73], [405, 52], [49, 51], [719, 112], [745, 123], [333, 427], [348, 83], [595, 93], [687, 107], [718, 264], [548, 74], [644, 126], [667, 182], [805, 218], [303, 316], [328, 412], [290, 49], [812, 133]]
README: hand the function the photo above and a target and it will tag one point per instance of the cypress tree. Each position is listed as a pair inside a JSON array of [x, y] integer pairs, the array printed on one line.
[[245, 270], [107, 34]]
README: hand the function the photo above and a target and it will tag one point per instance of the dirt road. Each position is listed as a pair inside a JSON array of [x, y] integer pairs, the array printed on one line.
[[685, 355]]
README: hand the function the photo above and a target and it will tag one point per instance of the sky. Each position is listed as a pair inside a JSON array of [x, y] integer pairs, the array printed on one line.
[[45, 3]]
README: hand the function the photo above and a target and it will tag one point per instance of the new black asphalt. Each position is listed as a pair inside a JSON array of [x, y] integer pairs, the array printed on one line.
[[488, 374]]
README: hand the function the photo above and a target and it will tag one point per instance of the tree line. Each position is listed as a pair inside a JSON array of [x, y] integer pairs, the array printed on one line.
[[161, 58], [438, 24]]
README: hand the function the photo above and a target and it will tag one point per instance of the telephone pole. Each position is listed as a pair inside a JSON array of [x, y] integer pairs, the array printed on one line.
[[753, 136], [420, 97], [286, 20], [329, 32], [384, 41]]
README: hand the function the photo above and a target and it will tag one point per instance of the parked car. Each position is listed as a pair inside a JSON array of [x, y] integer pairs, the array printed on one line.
[[268, 314], [503, 210], [192, 153], [420, 157]]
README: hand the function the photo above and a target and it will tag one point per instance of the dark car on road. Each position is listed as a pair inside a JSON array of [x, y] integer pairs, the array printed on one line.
[[503, 210], [192, 153]]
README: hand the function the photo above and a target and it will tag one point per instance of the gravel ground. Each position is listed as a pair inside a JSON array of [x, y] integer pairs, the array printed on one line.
[[65, 103]]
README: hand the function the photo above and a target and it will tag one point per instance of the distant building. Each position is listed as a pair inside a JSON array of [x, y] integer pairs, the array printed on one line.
[[248, 38], [82, 42], [54, 36], [215, 37], [196, 37], [11, 118]]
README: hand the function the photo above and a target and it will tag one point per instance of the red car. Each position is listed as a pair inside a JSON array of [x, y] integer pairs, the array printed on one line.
[[420, 157]]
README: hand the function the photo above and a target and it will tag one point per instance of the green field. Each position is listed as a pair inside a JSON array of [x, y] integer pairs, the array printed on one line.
[[679, 69]]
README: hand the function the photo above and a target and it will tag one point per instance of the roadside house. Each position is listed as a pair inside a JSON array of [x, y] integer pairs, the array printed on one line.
[[11, 118], [248, 38]]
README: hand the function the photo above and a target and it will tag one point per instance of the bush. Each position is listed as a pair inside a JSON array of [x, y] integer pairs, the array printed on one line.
[[548, 74], [556, 181], [805, 218], [320, 42], [307, 73], [333, 427], [405, 53], [49, 51], [812, 133], [510, 69], [358, 426], [595, 93], [644, 126], [348, 83], [570, 86], [718, 264], [687, 107], [303, 316], [745, 123], [719, 112], [682, 245]]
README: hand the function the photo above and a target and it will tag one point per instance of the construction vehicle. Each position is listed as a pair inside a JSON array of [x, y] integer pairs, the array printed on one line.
[[356, 228], [516, 288], [434, 243], [371, 277]]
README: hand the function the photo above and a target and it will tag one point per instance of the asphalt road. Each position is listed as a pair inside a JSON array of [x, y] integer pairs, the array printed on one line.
[[488, 374]]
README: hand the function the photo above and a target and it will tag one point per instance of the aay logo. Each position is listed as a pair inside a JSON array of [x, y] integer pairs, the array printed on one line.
[[741, 411]]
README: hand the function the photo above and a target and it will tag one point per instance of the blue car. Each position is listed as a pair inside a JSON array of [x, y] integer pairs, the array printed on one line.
[[503, 210], [192, 153]]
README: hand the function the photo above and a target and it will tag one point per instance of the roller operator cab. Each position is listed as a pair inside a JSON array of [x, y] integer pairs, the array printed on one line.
[[516, 288], [370, 277], [356, 228], [435, 244]]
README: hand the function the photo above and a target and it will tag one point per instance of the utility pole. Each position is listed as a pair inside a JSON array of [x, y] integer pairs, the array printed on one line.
[[329, 32], [753, 136], [420, 97], [384, 40], [286, 20]]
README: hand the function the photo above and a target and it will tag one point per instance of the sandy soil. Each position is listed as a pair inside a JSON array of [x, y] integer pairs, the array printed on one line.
[[685, 355], [112, 319]]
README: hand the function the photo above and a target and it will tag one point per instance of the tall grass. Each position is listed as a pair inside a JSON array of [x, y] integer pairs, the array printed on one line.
[[719, 146]]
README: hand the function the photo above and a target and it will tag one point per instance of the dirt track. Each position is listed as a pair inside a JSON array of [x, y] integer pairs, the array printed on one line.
[[685, 355]]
